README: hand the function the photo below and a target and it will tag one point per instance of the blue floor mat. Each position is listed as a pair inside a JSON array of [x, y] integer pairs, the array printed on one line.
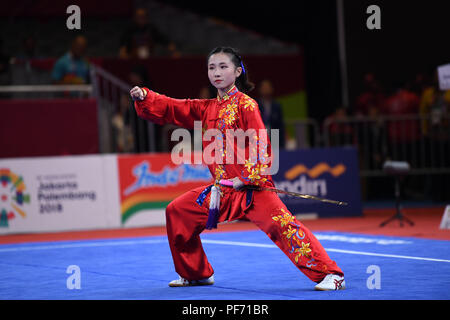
[[247, 266]]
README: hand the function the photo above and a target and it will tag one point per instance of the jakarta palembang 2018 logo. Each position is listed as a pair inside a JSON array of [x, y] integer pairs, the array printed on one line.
[[12, 197]]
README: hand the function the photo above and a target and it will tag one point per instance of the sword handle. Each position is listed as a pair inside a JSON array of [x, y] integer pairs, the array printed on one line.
[[226, 183]]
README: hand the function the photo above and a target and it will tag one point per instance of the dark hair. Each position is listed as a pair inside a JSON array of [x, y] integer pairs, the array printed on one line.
[[242, 81]]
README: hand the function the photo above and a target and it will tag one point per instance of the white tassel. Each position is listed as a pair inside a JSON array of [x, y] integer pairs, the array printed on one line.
[[214, 207]]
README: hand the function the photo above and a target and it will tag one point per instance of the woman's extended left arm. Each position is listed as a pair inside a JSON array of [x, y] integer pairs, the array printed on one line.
[[161, 109]]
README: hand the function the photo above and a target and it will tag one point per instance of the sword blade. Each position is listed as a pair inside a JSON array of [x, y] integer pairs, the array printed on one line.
[[298, 195]]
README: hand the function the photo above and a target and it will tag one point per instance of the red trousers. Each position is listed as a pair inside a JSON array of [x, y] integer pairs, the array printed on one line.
[[186, 218]]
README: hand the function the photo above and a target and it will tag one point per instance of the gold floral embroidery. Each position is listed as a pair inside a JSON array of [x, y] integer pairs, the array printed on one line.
[[256, 165], [288, 233], [304, 250], [254, 174], [229, 114], [231, 108], [248, 164], [285, 218], [255, 170], [230, 119], [294, 238], [227, 95], [248, 103], [219, 172]]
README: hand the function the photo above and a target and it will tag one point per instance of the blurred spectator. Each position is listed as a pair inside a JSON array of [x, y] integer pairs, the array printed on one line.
[[435, 109], [419, 83], [340, 132], [403, 132], [372, 96], [131, 132], [27, 70], [376, 146], [28, 50], [123, 135], [206, 92], [402, 102], [142, 38], [73, 68], [434, 105], [271, 110], [374, 152]]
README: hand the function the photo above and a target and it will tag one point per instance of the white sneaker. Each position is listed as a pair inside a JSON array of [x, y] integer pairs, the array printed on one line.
[[331, 282], [182, 282]]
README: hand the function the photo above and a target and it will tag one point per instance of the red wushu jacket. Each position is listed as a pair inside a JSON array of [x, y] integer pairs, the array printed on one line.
[[235, 110]]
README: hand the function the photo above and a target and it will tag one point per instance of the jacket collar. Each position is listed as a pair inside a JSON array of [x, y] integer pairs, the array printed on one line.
[[232, 91]]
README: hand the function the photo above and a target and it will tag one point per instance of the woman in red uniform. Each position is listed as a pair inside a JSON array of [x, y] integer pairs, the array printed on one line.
[[188, 215]]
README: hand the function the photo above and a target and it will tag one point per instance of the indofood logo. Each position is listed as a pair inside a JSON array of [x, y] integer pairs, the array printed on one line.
[[155, 189], [12, 197], [302, 179]]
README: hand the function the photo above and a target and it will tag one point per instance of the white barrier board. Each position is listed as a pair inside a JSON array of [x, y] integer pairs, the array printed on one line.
[[58, 194]]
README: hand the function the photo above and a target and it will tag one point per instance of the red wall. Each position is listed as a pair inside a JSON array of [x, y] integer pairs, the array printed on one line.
[[30, 128]]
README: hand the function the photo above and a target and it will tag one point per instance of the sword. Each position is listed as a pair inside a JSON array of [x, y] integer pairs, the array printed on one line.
[[294, 194]]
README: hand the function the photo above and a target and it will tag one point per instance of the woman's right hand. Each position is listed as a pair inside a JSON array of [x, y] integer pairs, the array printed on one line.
[[137, 94], [237, 183]]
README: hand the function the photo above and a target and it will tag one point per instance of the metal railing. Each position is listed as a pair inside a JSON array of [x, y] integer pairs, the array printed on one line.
[[306, 132], [120, 130], [85, 88], [421, 140]]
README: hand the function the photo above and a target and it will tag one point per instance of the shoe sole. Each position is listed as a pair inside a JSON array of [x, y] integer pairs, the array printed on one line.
[[191, 285], [322, 289]]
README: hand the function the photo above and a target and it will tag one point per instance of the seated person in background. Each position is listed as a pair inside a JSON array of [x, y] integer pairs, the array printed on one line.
[[340, 130], [141, 38], [372, 96], [271, 110], [402, 101], [28, 50], [434, 105], [72, 68]]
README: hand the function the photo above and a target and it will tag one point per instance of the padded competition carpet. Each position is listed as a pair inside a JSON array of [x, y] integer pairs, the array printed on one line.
[[247, 266]]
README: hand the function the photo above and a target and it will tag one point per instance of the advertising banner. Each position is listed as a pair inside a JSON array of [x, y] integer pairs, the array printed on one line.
[[149, 182], [114, 191], [58, 194], [330, 173]]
